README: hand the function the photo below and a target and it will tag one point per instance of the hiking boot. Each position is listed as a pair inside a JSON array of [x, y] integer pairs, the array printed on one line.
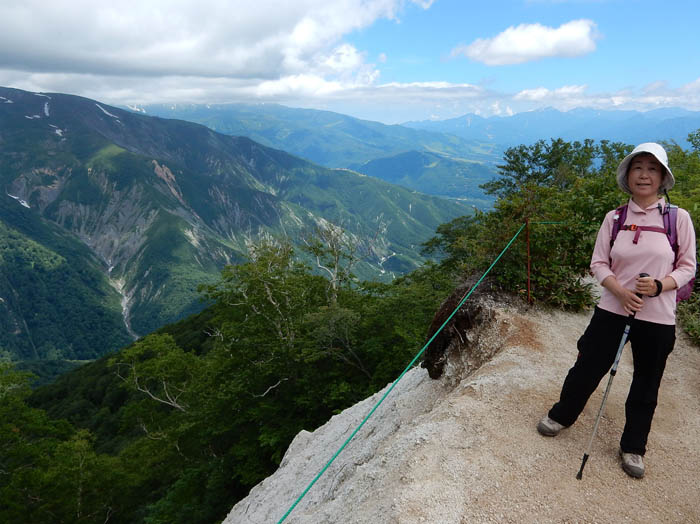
[[549, 427], [632, 464]]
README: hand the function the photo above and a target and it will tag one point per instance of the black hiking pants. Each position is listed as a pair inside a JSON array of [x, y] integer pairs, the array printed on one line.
[[651, 344]]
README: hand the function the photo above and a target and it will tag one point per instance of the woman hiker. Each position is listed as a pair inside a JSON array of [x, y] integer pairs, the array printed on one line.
[[617, 265]]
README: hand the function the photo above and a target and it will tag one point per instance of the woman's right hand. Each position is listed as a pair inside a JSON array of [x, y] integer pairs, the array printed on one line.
[[629, 300]]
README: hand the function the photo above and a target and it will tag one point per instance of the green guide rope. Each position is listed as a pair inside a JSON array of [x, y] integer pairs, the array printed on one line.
[[398, 379]]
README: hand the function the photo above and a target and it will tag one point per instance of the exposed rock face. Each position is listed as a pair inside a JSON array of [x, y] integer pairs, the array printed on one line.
[[475, 334], [460, 342], [464, 448], [114, 226]]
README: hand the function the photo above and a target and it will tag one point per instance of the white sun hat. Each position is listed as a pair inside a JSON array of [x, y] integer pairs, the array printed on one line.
[[659, 153]]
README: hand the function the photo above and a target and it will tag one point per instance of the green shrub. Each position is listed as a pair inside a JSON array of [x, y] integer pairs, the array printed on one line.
[[689, 314]]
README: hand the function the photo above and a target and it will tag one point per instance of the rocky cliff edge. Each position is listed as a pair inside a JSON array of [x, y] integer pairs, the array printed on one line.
[[463, 448]]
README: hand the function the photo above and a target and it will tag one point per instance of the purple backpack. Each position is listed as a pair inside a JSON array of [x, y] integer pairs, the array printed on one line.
[[670, 215]]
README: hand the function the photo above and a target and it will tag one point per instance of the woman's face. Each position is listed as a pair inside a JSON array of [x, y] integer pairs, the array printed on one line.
[[645, 176]]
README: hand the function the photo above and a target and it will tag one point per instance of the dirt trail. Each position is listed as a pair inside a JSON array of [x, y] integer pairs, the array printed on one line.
[[469, 452], [532, 478]]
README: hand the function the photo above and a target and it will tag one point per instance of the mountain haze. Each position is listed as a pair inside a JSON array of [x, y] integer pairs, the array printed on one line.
[[163, 205], [632, 127]]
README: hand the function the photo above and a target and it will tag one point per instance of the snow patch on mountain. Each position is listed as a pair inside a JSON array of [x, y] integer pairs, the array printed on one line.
[[18, 199], [106, 112], [57, 130]]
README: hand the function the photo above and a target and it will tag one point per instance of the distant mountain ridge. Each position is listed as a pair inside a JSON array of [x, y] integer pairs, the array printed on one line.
[[324, 137], [578, 124], [470, 146], [336, 140], [164, 204]]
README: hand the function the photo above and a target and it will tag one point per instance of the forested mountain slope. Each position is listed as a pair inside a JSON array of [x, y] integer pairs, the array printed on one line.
[[163, 205], [55, 302], [433, 173]]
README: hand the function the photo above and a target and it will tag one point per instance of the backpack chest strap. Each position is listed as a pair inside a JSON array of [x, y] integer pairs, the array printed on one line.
[[638, 230]]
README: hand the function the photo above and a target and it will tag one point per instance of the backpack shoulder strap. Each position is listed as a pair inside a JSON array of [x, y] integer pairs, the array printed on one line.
[[619, 219], [670, 220]]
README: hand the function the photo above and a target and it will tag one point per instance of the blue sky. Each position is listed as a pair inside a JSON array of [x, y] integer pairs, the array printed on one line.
[[385, 60]]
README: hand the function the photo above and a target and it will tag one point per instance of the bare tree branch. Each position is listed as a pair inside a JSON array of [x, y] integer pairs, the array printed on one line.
[[271, 388], [133, 378]]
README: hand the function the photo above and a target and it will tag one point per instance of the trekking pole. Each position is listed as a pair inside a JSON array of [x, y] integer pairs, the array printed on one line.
[[613, 371]]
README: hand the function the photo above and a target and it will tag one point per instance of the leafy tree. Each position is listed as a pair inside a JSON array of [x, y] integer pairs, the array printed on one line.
[[569, 187], [159, 369], [555, 164], [694, 139], [48, 472]]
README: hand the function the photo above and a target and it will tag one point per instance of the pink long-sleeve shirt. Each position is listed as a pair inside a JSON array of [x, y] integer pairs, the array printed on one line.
[[652, 254]]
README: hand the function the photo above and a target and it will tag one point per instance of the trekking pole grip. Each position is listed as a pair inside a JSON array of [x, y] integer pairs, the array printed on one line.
[[631, 315], [642, 275]]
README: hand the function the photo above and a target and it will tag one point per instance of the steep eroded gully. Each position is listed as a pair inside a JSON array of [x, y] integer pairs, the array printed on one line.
[[118, 284]]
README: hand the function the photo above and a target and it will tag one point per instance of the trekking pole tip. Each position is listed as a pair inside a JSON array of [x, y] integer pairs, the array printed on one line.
[[579, 475]]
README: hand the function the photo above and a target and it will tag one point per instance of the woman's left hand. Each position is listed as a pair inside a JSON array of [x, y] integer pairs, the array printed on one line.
[[645, 286]]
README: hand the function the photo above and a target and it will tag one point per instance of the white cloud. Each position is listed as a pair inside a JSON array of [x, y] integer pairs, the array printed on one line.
[[495, 109], [179, 37], [294, 53], [542, 93], [298, 86], [431, 86], [391, 102], [342, 59], [137, 52], [528, 42], [644, 98], [539, 93]]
